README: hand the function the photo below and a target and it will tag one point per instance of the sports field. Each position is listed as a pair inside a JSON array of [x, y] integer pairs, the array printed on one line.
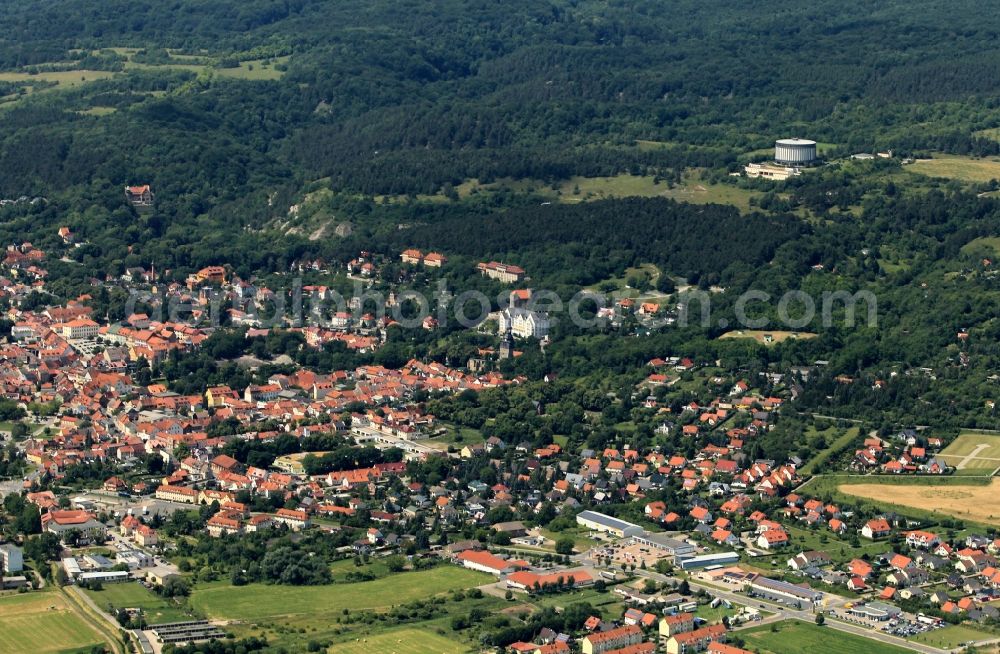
[[976, 502], [402, 641], [42, 622], [973, 450], [256, 601], [794, 637]]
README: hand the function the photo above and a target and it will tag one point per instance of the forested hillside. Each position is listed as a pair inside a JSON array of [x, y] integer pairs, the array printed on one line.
[[470, 126]]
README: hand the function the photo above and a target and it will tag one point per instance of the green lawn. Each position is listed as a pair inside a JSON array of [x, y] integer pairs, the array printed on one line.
[[362, 628], [406, 640], [257, 601], [714, 616], [607, 603], [457, 436], [134, 595], [581, 539], [951, 637], [42, 622], [795, 637]]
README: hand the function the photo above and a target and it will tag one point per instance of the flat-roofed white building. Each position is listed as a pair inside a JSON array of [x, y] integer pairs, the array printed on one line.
[[771, 171], [72, 567], [783, 591], [104, 576], [671, 546]]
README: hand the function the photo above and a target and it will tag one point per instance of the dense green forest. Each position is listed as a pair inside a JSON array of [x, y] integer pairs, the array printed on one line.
[[374, 115]]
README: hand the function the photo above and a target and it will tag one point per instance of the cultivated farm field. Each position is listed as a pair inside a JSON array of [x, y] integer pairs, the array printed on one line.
[[976, 502], [42, 622]]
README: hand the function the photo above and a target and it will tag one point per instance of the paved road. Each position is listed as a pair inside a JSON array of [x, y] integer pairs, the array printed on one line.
[[15, 486], [784, 613]]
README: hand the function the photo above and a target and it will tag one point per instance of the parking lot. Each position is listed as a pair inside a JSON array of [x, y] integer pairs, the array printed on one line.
[[629, 553], [147, 506], [905, 625]]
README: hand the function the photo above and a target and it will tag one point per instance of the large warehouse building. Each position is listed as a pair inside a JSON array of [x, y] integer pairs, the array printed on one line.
[[610, 525], [794, 152]]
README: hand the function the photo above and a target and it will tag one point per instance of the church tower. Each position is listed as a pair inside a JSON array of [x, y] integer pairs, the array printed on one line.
[[507, 345]]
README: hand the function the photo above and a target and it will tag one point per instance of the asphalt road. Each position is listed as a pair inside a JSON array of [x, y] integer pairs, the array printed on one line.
[[788, 613], [782, 612]]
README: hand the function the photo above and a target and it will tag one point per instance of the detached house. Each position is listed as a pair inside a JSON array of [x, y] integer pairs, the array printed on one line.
[[877, 528]]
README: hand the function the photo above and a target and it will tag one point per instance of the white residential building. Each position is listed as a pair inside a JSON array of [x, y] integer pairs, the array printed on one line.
[[11, 558]]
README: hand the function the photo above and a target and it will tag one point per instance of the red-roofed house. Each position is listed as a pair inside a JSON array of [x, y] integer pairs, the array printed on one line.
[[877, 528]]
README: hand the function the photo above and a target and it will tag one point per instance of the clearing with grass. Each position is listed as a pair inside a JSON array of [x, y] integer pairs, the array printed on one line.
[[693, 188], [134, 595], [42, 622], [402, 641], [953, 636], [957, 167], [795, 637], [768, 337], [984, 246], [256, 601]]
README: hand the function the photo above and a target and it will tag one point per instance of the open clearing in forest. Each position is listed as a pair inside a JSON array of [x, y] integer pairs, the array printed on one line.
[[766, 337], [955, 167]]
